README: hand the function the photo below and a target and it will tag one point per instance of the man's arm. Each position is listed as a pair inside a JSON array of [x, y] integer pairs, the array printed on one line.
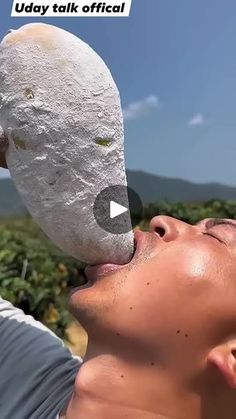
[[37, 371]]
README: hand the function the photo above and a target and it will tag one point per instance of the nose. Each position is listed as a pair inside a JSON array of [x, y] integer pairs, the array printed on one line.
[[168, 228], [10, 31]]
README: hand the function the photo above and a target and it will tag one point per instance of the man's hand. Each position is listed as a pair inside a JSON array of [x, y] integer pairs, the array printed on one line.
[[3, 148]]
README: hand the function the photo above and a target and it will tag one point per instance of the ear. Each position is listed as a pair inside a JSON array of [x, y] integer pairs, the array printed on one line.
[[224, 358]]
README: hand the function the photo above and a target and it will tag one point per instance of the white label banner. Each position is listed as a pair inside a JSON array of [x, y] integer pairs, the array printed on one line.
[[78, 8]]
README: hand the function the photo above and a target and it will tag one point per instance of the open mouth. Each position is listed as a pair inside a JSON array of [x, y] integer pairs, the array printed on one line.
[[94, 272]]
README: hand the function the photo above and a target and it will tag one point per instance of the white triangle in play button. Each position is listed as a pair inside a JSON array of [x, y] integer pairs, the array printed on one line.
[[116, 209]]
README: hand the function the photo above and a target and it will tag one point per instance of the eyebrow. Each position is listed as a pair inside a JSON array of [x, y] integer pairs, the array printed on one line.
[[217, 221]]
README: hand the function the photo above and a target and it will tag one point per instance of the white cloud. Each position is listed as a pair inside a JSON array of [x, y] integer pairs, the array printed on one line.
[[196, 120], [141, 108]]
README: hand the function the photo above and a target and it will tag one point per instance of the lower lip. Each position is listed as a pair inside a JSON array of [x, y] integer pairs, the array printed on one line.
[[95, 272]]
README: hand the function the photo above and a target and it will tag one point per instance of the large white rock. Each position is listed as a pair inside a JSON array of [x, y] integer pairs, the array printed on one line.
[[60, 110]]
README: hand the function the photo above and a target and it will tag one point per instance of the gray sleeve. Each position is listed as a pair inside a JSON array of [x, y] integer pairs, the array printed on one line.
[[37, 371]]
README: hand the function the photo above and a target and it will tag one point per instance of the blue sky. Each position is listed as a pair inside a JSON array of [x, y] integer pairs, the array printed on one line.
[[175, 65]]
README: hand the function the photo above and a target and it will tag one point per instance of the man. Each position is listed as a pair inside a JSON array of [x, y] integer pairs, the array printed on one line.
[[162, 329]]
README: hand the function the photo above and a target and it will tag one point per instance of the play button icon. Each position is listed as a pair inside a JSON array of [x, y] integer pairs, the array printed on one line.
[[117, 209]]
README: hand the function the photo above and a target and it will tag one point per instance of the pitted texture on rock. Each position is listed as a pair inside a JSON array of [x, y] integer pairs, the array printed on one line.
[[61, 112]]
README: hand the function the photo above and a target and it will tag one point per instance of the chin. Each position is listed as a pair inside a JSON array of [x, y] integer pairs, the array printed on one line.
[[96, 297], [89, 302], [81, 306]]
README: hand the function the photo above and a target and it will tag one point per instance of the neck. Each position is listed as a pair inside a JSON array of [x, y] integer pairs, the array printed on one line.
[[109, 386]]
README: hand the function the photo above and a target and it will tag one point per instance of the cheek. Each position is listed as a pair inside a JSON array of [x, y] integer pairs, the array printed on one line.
[[195, 263], [192, 262], [178, 274]]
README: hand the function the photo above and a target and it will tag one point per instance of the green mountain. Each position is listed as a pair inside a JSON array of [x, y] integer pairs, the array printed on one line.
[[151, 188]]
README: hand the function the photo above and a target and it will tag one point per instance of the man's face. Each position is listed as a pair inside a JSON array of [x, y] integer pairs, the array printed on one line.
[[178, 291]]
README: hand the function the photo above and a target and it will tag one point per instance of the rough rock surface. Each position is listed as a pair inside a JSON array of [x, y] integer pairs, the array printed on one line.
[[60, 110]]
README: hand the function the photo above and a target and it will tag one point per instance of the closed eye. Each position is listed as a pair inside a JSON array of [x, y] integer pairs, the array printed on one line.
[[214, 237]]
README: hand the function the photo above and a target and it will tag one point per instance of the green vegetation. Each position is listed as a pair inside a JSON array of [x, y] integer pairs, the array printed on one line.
[[193, 212], [36, 276]]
